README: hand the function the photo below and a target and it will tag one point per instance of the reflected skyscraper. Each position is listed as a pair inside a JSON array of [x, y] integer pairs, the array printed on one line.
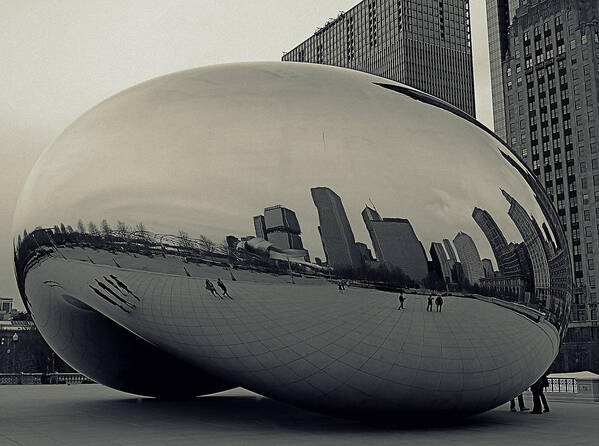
[[335, 231], [469, 258], [260, 227], [440, 261], [282, 228], [450, 252], [488, 268], [505, 255], [533, 240], [395, 242]]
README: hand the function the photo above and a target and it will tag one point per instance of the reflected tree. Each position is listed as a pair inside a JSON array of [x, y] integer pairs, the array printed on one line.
[[93, 229]]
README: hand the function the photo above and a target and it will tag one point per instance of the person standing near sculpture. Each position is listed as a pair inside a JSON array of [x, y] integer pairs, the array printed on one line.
[[439, 302], [544, 385], [429, 304], [401, 300], [521, 405]]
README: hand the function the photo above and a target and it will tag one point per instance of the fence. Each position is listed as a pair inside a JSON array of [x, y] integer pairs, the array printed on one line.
[[562, 385], [43, 378]]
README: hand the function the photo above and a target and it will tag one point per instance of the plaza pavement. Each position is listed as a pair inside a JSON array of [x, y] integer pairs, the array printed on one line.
[[92, 415]]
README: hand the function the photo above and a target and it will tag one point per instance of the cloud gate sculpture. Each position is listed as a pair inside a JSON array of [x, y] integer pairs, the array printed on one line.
[[254, 225]]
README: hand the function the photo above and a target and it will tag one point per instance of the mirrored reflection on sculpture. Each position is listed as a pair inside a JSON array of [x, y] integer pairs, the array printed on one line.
[[254, 225]]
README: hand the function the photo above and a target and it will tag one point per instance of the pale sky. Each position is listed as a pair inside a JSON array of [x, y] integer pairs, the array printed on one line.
[[60, 58]]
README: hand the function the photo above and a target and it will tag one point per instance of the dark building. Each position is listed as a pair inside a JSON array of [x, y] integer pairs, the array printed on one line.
[[499, 16], [549, 72], [423, 44], [440, 263], [396, 243], [279, 226], [335, 231], [260, 227]]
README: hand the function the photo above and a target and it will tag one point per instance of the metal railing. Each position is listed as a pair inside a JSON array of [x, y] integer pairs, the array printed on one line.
[[43, 378], [562, 385]]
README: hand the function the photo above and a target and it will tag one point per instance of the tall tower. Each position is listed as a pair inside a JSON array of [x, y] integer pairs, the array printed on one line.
[[426, 47], [550, 84], [499, 18], [395, 242], [335, 232], [440, 261], [469, 258], [534, 242]]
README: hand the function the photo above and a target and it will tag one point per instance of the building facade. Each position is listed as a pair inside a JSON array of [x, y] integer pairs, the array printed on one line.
[[395, 242], [421, 43], [499, 18], [469, 258], [440, 262], [550, 76], [335, 231]]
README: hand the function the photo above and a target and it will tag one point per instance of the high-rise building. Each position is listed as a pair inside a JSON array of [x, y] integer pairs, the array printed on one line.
[[550, 82], [499, 18], [440, 261], [335, 231], [450, 252], [534, 242], [282, 228], [505, 254], [395, 242], [423, 44], [488, 268], [260, 227], [469, 258]]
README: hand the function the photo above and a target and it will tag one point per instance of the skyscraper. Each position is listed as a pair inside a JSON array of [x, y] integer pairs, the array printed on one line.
[[260, 227], [469, 258], [450, 252], [488, 268], [499, 18], [335, 231], [282, 227], [550, 81], [422, 44], [440, 261], [395, 242], [534, 241], [505, 255]]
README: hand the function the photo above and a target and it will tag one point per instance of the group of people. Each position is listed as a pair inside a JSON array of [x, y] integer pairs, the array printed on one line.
[[210, 287], [539, 402], [341, 286], [438, 302], [429, 306]]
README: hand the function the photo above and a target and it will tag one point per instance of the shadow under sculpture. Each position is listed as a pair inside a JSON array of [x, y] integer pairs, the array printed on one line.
[[253, 225]]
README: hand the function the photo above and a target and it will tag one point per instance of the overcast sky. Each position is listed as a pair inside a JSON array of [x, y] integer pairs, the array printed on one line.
[[59, 58]]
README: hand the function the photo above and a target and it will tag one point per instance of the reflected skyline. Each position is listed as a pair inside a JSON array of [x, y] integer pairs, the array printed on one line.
[[283, 183]]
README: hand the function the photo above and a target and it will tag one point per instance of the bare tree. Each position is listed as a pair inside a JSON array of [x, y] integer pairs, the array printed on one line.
[[207, 245], [122, 230], [184, 240], [80, 227], [105, 228], [92, 228]]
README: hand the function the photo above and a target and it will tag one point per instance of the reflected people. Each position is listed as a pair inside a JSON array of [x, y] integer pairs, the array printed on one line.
[[283, 279]]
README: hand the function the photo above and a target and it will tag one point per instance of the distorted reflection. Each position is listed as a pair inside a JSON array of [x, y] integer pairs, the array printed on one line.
[[299, 231]]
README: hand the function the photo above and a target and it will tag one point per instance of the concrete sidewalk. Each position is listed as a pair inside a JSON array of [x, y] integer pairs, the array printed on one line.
[[92, 414]]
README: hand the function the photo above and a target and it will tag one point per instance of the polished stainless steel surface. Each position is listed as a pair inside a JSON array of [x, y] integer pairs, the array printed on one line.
[[255, 224]]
